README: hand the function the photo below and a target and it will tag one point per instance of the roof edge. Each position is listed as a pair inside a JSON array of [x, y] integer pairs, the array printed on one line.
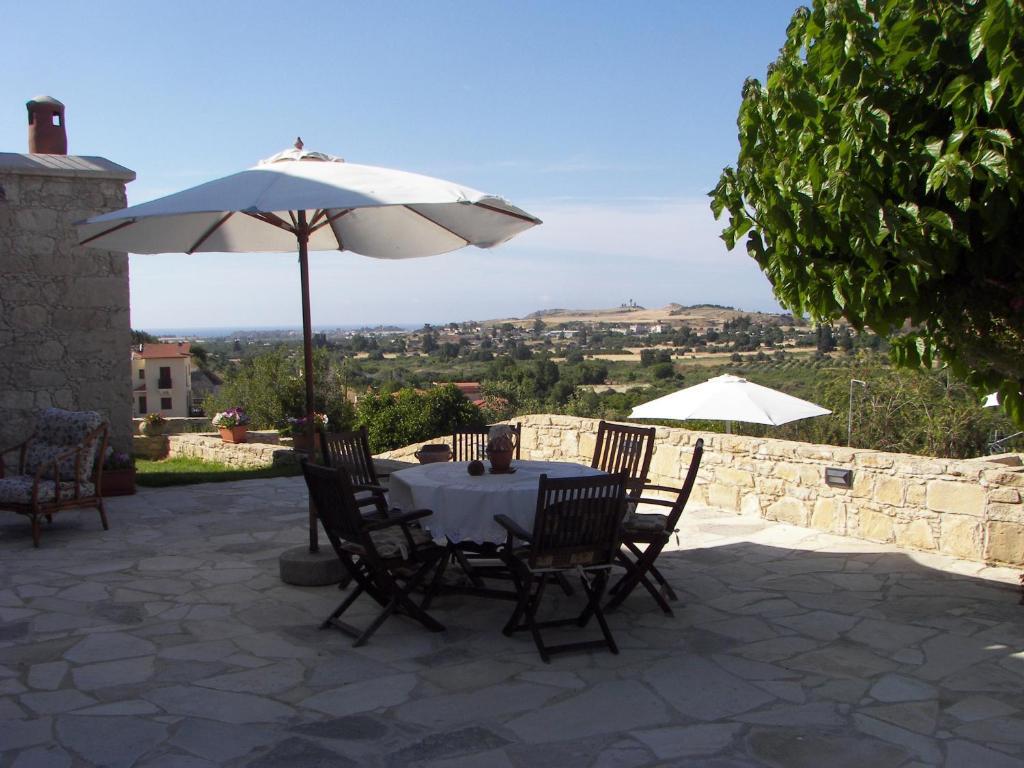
[[81, 166]]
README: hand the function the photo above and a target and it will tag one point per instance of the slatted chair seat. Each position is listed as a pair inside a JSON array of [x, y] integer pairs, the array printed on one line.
[[652, 531], [60, 467], [387, 555], [391, 543], [576, 529], [640, 523]]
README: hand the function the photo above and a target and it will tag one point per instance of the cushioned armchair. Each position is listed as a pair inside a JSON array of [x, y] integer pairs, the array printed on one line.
[[56, 468]]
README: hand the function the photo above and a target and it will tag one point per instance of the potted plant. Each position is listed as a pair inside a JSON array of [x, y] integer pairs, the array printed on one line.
[[233, 424], [118, 477], [300, 437], [152, 424]]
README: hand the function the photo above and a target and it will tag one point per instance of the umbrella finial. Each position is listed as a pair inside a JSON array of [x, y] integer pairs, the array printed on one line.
[[298, 142]]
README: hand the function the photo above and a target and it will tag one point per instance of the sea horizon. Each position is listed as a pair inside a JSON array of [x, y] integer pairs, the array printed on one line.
[[236, 330]]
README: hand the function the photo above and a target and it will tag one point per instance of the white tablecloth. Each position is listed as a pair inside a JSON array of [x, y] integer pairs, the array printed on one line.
[[464, 506]]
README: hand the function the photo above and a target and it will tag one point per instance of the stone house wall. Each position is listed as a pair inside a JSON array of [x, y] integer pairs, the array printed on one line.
[[965, 508], [64, 310]]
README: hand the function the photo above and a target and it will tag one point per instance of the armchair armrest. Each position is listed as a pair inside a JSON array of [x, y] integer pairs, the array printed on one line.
[[23, 448], [513, 527]]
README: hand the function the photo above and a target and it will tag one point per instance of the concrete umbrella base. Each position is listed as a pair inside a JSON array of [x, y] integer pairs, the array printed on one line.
[[303, 568]]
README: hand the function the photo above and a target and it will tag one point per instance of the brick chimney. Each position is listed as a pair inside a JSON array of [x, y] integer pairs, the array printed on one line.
[[46, 131]]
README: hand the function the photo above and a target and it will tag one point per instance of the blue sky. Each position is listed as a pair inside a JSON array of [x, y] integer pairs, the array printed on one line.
[[609, 120]]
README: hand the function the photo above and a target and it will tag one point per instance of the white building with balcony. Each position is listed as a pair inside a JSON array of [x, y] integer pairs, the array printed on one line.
[[162, 379]]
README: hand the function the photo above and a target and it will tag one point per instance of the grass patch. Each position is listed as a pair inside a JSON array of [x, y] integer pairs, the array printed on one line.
[[184, 470]]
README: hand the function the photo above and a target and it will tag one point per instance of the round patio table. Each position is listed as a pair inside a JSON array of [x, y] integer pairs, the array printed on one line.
[[464, 506]]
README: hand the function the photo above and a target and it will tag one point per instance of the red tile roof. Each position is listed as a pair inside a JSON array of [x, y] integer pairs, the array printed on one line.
[[181, 349]]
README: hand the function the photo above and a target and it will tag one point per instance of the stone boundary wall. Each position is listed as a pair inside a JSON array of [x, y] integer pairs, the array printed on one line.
[[964, 508], [64, 325], [256, 452], [178, 424]]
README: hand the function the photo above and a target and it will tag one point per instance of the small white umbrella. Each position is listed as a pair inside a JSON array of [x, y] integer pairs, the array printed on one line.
[[306, 200], [729, 398], [991, 401]]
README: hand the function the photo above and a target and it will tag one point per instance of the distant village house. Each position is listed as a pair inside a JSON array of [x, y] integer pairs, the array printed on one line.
[[162, 379]]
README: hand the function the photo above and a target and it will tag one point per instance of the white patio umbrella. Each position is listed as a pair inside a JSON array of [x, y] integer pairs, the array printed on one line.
[[729, 398], [305, 200]]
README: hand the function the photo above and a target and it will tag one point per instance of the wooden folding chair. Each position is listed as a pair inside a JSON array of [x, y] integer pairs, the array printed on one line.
[[387, 556], [652, 531], [576, 529], [470, 443]]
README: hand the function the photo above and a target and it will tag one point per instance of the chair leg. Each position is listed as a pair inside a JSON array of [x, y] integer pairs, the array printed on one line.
[[375, 624], [532, 606], [435, 583], [467, 567], [637, 571], [343, 607], [103, 513], [399, 602], [594, 595], [523, 589], [36, 531]]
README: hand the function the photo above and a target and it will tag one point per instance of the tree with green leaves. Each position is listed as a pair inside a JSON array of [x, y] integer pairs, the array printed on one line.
[[880, 178], [142, 337], [269, 388], [408, 416]]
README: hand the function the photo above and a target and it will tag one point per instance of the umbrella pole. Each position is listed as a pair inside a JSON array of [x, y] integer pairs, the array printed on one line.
[[302, 233]]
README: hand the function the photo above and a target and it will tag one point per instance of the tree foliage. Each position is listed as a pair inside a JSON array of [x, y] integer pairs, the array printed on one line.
[[880, 177], [270, 389], [409, 416]]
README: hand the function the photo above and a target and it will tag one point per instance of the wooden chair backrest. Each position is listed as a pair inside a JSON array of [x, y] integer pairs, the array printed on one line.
[[330, 490], [684, 494], [622, 448], [350, 450], [577, 521], [471, 442]]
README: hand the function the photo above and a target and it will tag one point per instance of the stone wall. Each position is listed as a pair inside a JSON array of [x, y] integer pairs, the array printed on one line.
[[64, 324], [256, 452], [965, 508]]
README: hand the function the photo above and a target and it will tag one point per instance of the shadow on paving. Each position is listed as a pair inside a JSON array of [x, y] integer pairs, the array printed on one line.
[[169, 640]]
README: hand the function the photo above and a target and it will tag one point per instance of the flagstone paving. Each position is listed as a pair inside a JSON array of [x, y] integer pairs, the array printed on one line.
[[170, 641]]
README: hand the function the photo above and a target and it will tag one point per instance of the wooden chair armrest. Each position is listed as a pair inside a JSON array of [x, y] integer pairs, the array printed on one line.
[[512, 527], [654, 501], [665, 488], [371, 488]]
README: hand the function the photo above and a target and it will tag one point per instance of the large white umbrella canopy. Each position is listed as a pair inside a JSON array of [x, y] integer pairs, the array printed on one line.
[[302, 200], [729, 398], [372, 211]]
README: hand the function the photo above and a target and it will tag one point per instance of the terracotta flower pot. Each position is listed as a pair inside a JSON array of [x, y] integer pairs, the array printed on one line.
[[118, 482], [233, 434], [300, 442], [429, 454]]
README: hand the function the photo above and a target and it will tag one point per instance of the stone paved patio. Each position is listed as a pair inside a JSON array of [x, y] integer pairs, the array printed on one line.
[[169, 641]]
